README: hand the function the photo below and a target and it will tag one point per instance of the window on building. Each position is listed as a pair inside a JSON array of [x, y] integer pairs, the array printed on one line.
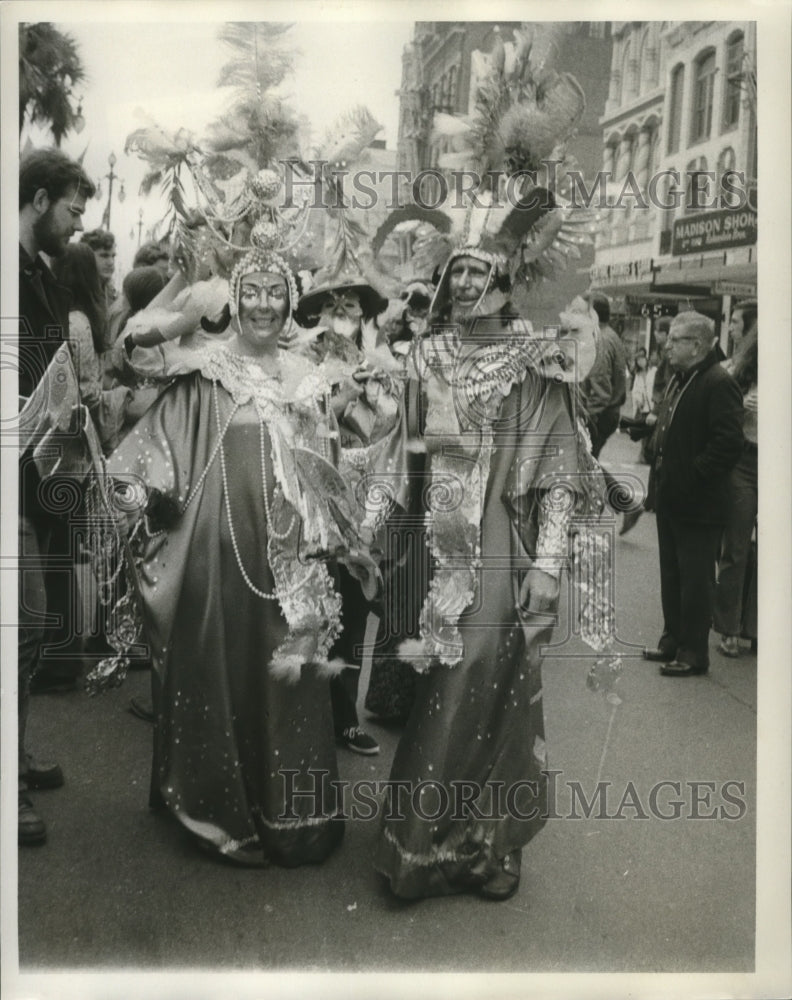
[[628, 83], [669, 190], [452, 89], [698, 187], [675, 108], [703, 89], [725, 164], [644, 64], [732, 91]]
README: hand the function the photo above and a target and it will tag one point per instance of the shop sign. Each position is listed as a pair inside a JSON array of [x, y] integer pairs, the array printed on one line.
[[623, 272], [733, 288], [719, 230]]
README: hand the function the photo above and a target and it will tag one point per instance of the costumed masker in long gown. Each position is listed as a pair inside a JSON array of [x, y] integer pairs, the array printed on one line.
[[367, 402], [500, 430], [510, 466], [238, 607]]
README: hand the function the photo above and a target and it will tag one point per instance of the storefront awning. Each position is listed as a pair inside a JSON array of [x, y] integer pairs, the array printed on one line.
[[704, 272]]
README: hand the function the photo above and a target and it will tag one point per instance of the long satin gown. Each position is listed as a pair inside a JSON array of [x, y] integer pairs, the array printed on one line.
[[243, 759], [476, 729]]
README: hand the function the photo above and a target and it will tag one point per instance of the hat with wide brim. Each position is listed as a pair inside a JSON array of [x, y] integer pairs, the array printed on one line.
[[312, 303]]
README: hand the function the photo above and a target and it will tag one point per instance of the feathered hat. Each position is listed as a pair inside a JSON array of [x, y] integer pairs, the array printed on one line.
[[525, 113]]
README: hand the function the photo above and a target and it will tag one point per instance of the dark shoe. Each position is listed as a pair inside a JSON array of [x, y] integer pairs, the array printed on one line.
[[630, 520], [141, 708], [358, 741], [504, 883], [53, 684], [678, 669], [658, 655], [31, 828], [41, 774]]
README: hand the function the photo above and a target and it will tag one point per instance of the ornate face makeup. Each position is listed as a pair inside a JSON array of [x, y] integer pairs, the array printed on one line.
[[263, 310]]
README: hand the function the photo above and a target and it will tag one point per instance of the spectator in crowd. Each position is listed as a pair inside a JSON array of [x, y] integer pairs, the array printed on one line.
[[642, 386], [697, 442], [153, 255], [663, 373], [52, 193], [605, 388], [660, 380], [103, 245], [139, 288], [78, 271], [735, 596]]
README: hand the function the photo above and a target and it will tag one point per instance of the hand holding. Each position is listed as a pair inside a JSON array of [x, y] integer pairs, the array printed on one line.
[[539, 592]]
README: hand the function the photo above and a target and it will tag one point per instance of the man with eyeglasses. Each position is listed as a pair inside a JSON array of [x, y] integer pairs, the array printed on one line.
[[697, 440], [52, 193]]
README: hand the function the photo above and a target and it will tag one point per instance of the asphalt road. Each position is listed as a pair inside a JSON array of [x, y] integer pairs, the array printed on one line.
[[119, 887]]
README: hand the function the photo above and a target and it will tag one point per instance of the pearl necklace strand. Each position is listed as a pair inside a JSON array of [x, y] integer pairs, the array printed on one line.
[[272, 534]]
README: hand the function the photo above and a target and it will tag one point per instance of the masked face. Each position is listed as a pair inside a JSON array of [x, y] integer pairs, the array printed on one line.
[[59, 222], [468, 280], [342, 314], [263, 309]]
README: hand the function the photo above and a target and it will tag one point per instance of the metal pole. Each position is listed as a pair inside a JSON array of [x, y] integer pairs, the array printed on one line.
[[111, 177]]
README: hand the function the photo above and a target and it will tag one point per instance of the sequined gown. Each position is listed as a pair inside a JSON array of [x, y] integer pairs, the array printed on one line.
[[234, 744], [476, 730]]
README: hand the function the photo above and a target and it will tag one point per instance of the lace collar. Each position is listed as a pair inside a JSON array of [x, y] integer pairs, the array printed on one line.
[[289, 379]]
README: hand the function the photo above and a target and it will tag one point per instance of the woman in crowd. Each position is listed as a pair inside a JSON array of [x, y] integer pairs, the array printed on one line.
[[642, 386], [239, 609], [735, 595], [78, 271]]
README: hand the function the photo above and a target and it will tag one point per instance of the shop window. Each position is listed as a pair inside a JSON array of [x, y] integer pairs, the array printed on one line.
[[698, 187], [675, 108], [703, 90], [732, 92]]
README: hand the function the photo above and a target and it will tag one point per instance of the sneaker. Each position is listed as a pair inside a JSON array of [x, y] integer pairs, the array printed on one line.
[[31, 828], [730, 646], [358, 741]]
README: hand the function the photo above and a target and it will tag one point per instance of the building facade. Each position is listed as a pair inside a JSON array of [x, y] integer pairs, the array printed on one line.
[[679, 150]]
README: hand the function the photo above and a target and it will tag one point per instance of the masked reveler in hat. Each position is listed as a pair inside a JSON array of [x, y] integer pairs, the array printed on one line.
[[366, 400], [238, 608], [511, 470]]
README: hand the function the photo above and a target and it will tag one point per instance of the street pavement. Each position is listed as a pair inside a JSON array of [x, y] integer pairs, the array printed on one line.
[[117, 886]]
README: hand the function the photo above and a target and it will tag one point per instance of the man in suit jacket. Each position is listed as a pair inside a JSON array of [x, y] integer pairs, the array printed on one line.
[[697, 440], [52, 194]]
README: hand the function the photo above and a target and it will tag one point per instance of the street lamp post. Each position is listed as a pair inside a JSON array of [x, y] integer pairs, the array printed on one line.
[[112, 176], [140, 225]]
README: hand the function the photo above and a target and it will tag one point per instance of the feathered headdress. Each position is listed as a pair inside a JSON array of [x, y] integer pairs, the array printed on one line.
[[525, 113]]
